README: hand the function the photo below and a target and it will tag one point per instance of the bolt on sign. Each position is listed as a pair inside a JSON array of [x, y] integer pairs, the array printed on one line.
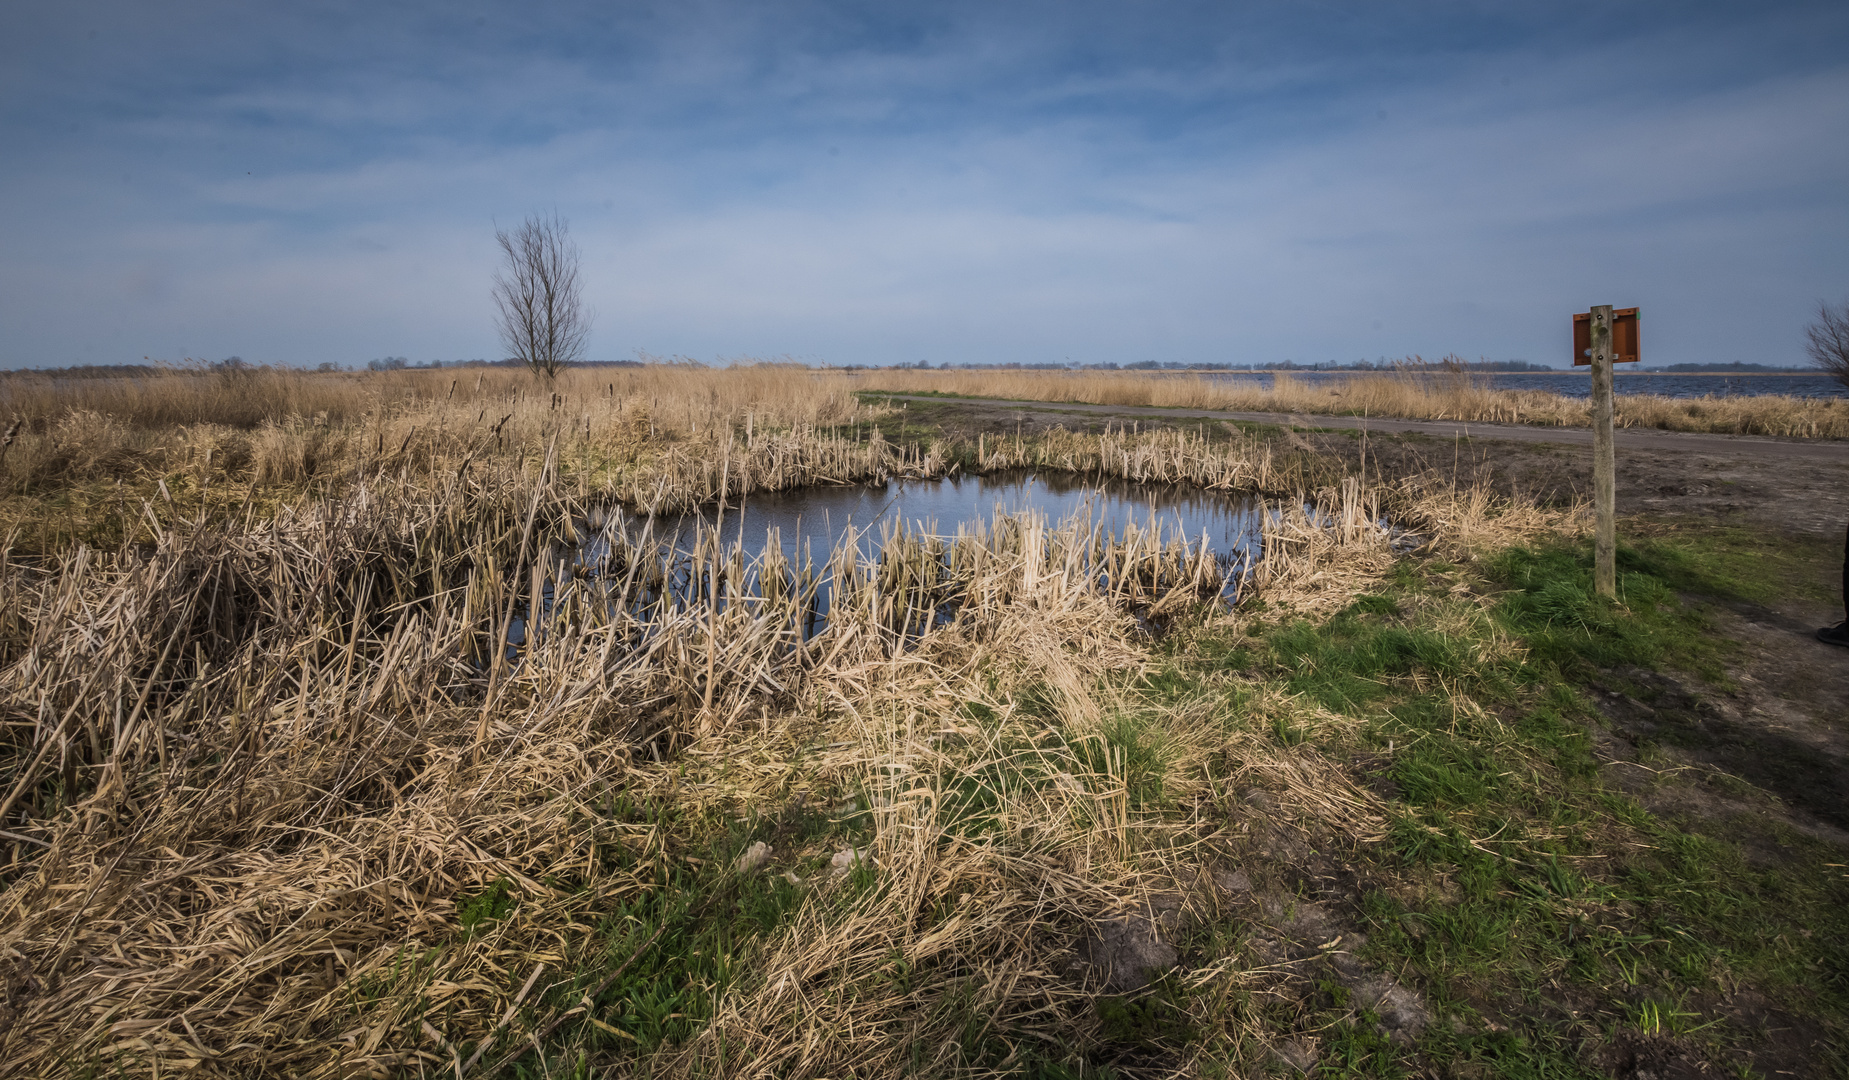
[[1623, 337]]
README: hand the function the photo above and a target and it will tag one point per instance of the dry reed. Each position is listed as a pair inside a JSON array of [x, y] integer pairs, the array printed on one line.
[[250, 766], [1413, 394], [265, 760], [290, 427]]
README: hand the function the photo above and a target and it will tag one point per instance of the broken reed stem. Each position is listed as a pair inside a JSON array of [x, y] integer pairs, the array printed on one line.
[[712, 621]]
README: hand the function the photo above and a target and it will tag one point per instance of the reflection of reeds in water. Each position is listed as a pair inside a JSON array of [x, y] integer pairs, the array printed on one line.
[[734, 467]]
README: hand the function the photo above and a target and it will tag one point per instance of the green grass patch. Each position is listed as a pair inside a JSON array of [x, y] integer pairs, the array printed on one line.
[[1525, 883], [475, 910], [1551, 602], [664, 956]]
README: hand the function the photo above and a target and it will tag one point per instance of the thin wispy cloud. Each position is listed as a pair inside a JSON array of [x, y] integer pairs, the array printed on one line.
[[966, 183]]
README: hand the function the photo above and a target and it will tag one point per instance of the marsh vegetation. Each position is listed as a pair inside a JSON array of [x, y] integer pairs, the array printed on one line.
[[284, 793]]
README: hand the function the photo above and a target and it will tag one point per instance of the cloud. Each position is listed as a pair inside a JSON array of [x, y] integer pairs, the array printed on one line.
[[1248, 184]]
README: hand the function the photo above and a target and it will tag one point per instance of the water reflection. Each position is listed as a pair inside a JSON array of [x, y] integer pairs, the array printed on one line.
[[815, 519], [713, 558]]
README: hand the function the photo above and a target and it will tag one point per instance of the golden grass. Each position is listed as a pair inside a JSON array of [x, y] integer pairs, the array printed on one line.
[[680, 395], [660, 439], [288, 426], [1413, 394], [251, 765], [265, 761], [1073, 848]]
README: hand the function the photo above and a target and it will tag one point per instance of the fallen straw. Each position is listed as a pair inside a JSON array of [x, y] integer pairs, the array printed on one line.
[[512, 1008]]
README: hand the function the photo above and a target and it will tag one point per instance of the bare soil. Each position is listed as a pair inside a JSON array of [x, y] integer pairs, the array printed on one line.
[[1792, 485], [1783, 727]]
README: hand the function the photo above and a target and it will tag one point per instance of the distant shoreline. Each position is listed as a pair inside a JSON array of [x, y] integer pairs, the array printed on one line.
[[1555, 371]]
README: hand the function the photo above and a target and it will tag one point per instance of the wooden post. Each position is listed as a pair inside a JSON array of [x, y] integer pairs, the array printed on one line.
[[1604, 470]]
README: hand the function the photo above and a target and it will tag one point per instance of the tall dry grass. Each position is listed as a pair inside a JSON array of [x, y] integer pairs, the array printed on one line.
[[249, 767], [278, 426], [250, 773], [659, 440], [1412, 394], [172, 398], [684, 395], [254, 767], [878, 987]]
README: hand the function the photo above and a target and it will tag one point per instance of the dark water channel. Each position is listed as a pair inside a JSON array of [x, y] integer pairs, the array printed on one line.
[[809, 524]]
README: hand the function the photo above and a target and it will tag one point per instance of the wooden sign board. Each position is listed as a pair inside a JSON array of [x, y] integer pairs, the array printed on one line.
[[1623, 337]]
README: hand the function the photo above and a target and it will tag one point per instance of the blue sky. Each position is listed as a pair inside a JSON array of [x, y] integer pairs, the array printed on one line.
[[880, 183]]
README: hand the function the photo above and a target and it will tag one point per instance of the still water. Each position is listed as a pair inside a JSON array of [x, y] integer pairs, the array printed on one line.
[[815, 519], [809, 524]]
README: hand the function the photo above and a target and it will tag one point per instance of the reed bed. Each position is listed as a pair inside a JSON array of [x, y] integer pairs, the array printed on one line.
[[254, 770], [682, 395], [260, 761], [1412, 394], [1164, 456], [615, 447], [868, 986], [283, 426], [734, 464]]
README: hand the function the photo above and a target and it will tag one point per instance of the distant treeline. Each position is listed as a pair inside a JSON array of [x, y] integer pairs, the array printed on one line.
[[234, 364], [96, 371], [1735, 366], [399, 363]]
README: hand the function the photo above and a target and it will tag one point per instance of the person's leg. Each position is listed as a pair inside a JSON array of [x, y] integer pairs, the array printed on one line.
[[1839, 634]]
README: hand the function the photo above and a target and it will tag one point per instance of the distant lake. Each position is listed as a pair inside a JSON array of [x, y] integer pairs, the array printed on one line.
[[1579, 383]]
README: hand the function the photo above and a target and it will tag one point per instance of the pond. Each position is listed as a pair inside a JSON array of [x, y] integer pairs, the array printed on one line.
[[815, 519], [670, 563]]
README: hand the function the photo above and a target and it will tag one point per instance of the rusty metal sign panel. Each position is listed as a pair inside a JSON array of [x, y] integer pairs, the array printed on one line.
[[1623, 337]]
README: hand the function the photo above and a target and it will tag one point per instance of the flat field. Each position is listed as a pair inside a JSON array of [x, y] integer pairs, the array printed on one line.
[[290, 786]]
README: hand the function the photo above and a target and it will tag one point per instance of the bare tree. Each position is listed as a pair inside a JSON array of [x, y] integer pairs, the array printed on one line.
[[541, 317], [1829, 340]]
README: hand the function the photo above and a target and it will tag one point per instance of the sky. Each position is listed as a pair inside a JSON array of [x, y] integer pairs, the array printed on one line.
[[879, 183]]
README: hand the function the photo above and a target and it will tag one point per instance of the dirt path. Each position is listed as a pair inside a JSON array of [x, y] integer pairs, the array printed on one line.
[[1625, 438], [1783, 726], [1783, 484]]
